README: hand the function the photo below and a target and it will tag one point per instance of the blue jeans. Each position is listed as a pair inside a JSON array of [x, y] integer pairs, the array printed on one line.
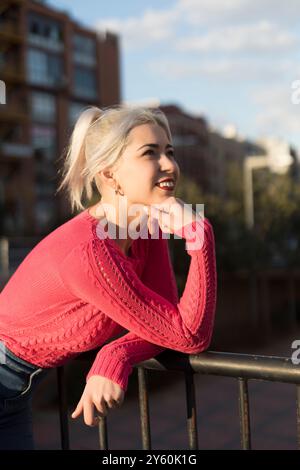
[[18, 379]]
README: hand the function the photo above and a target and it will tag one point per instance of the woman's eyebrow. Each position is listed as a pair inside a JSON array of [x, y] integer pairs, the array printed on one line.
[[155, 146]]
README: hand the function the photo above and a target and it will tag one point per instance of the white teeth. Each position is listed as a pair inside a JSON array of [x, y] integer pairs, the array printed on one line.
[[169, 184]]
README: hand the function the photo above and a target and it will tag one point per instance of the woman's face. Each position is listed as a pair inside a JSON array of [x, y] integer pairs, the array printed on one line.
[[143, 165]]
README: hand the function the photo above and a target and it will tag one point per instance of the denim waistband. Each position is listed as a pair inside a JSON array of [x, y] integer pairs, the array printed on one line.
[[7, 356]]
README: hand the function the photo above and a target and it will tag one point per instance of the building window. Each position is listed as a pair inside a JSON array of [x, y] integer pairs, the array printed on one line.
[[84, 50], [43, 140], [44, 69], [85, 83], [43, 107], [45, 189], [45, 32]]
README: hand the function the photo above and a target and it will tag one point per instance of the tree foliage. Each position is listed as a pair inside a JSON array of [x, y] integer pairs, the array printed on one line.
[[274, 241]]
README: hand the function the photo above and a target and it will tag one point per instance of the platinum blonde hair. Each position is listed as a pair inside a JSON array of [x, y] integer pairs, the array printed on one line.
[[98, 141]]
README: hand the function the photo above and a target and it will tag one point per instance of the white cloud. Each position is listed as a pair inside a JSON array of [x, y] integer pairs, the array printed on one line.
[[255, 42], [137, 32], [231, 25], [277, 115], [208, 12], [262, 36], [237, 69]]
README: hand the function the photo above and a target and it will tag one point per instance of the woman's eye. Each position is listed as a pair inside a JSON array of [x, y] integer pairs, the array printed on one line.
[[152, 152], [171, 154]]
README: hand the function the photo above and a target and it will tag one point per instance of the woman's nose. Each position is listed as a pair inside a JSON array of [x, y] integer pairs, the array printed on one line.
[[168, 163]]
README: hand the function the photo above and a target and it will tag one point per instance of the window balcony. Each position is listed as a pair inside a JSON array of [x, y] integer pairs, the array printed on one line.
[[47, 43]]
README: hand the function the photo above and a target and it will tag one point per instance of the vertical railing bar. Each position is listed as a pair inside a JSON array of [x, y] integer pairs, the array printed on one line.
[[102, 429], [144, 408], [4, 255], [298, 413], [191, 410], [63, 408], [244, 414], [292, 301]]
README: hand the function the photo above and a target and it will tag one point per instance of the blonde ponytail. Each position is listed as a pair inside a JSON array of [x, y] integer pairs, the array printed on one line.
[[74, 178]]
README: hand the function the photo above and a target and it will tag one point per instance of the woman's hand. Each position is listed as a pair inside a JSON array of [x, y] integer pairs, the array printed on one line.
[[171, 215], [100, 393]]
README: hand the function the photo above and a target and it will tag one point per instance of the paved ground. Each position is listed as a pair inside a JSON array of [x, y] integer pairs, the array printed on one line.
[[272, 408]]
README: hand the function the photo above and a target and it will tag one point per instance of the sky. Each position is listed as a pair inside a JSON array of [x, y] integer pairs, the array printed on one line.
[[234, 62]]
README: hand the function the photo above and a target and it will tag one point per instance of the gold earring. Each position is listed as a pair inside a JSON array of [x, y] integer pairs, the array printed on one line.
[[118, 192]]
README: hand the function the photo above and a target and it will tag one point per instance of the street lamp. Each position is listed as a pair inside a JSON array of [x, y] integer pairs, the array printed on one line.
[[278, 159], [251, 163]]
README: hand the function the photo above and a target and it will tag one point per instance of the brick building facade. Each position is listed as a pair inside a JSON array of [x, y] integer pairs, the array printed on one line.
[[52, 68]]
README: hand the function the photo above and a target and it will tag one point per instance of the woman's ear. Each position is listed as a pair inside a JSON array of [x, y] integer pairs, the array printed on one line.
[[107, 178]]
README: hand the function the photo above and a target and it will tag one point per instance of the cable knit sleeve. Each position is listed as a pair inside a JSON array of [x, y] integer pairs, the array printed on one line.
[[96, 273], [116, 359]]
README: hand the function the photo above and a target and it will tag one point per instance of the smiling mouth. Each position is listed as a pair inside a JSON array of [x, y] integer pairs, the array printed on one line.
[[166, 185]]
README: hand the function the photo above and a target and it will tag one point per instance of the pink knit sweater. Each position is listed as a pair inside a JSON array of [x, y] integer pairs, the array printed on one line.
[[76, 290]]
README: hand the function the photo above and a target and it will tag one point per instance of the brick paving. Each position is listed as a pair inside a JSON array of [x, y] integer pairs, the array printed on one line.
[[272, 412]]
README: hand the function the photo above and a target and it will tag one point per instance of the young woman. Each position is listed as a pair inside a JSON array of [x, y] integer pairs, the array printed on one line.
[[93, 278]]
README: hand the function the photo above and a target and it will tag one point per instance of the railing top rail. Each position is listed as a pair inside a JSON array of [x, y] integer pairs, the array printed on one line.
[[248, 366]]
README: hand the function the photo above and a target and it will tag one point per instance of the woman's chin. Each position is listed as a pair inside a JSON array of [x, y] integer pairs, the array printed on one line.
[[160, 195], [166, 194]]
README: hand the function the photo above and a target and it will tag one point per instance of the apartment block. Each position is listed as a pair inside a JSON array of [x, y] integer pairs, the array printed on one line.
[[205, 155], [52, 68]]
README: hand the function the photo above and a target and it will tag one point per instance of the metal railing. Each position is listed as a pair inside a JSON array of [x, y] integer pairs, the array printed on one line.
[[242, 367]]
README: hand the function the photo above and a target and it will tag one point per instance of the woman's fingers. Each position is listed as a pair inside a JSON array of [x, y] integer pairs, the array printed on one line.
[[100, 394], [159, 216], [155, 219], [88, 407], [78, 410], [101, 410], [163, 218], [153, 224], [113, 404], [88, 413], [101, 407]]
